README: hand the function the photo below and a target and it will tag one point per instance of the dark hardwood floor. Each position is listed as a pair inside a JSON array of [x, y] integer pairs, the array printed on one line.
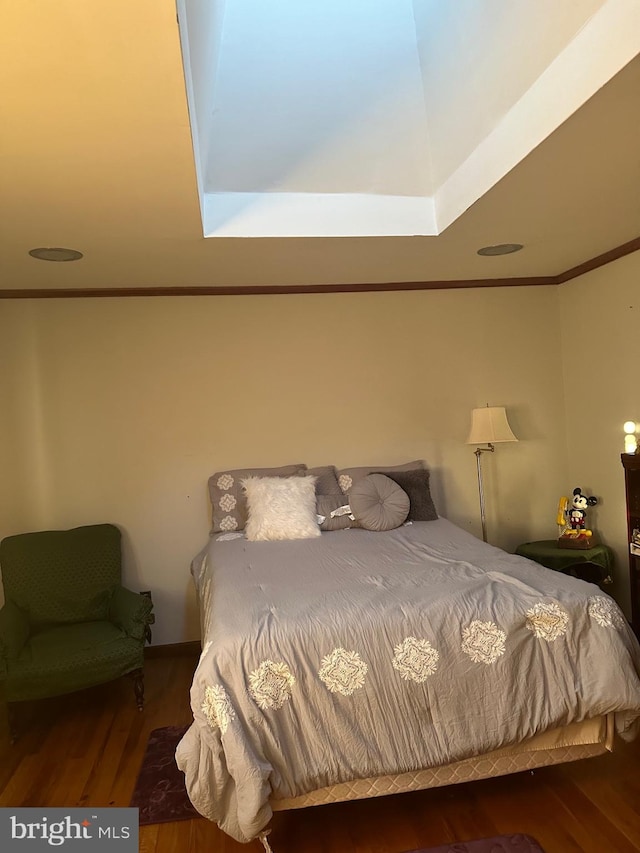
[[86, 749]]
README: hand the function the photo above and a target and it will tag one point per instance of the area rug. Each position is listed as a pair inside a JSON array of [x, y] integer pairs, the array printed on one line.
[[159, 792], [497, 844]]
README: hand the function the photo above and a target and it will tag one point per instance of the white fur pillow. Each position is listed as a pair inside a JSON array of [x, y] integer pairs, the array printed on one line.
[[281, 508]]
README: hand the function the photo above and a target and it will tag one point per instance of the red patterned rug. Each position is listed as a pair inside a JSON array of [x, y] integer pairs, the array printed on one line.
[[159, 792], [161, 797]]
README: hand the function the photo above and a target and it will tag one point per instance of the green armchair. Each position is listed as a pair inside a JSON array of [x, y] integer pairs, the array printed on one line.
[[67, 622]]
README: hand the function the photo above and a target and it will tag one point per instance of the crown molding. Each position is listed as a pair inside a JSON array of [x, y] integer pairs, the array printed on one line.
[[599, 260], [254, 290]]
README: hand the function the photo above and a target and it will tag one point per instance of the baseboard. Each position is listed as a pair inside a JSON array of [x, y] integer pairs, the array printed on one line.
[[190, 649]]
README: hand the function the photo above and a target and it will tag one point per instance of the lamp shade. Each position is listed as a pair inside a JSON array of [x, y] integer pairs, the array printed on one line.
[[490, 426]]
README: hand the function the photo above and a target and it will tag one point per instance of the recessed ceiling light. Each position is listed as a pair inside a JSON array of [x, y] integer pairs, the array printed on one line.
[[55, 254], [500, 249]]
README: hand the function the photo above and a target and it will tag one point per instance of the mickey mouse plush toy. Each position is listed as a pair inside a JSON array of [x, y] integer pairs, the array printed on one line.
[[577, 514]]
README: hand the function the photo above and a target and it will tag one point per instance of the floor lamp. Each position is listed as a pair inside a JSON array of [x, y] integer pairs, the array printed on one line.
[[488, 426]]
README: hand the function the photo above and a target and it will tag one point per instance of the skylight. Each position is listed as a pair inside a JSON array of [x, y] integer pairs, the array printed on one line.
[[353, 117]]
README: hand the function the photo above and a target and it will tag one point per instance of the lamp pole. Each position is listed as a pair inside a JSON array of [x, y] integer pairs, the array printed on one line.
[[478, 451]]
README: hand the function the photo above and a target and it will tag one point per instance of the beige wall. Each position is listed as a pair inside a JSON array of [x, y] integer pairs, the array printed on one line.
[[21, 441], [600, 314], [142, 399]]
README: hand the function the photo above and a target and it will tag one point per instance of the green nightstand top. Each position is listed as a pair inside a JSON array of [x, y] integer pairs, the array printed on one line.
[[547, 553]]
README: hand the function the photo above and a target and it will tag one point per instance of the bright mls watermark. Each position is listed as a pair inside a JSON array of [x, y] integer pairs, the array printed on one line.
[[78, 830]]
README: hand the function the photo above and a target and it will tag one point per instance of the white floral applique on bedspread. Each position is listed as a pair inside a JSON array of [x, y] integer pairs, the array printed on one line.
[[605, 612], [415, 659], [270, 684], [547, 621], [343, 671], [483, 642], [217, 707]]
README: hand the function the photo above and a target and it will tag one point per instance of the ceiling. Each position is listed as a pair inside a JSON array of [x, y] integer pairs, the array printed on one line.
[[96, 154]]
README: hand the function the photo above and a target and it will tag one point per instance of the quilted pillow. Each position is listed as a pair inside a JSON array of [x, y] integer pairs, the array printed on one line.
[[378, 503], [334, 513], [416, 485], [281, 508], [348, 476], [228, 500], [327, 480]]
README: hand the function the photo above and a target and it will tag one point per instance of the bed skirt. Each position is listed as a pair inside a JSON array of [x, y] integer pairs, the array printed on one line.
[[578, 740]]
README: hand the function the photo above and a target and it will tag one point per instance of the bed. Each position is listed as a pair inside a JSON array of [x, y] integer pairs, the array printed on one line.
[[360, 662]]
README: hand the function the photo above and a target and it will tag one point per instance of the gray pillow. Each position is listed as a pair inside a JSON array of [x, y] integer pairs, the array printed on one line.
[[228, 500], [348, 476], [416, 485], [326, 504], [327, 483], [378, 503]]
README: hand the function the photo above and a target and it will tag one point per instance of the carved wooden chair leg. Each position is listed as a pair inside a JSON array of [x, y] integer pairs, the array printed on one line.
[[138, 687], [12, 715]]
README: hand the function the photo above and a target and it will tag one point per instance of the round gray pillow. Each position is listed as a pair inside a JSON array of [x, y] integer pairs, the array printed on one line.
[[378, 503]]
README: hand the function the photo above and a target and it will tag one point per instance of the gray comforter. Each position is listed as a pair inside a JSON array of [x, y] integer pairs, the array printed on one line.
[[361, 654]]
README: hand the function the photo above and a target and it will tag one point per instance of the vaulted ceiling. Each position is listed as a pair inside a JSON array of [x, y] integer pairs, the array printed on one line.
[[437, 133]]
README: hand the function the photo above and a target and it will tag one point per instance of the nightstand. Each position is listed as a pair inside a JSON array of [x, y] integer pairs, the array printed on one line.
[[589, 564]]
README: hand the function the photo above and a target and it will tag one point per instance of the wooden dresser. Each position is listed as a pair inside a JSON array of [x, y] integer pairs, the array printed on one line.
[[631, 463]]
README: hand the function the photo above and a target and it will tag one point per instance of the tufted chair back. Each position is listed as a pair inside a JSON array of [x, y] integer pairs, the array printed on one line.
[[62, 576]]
